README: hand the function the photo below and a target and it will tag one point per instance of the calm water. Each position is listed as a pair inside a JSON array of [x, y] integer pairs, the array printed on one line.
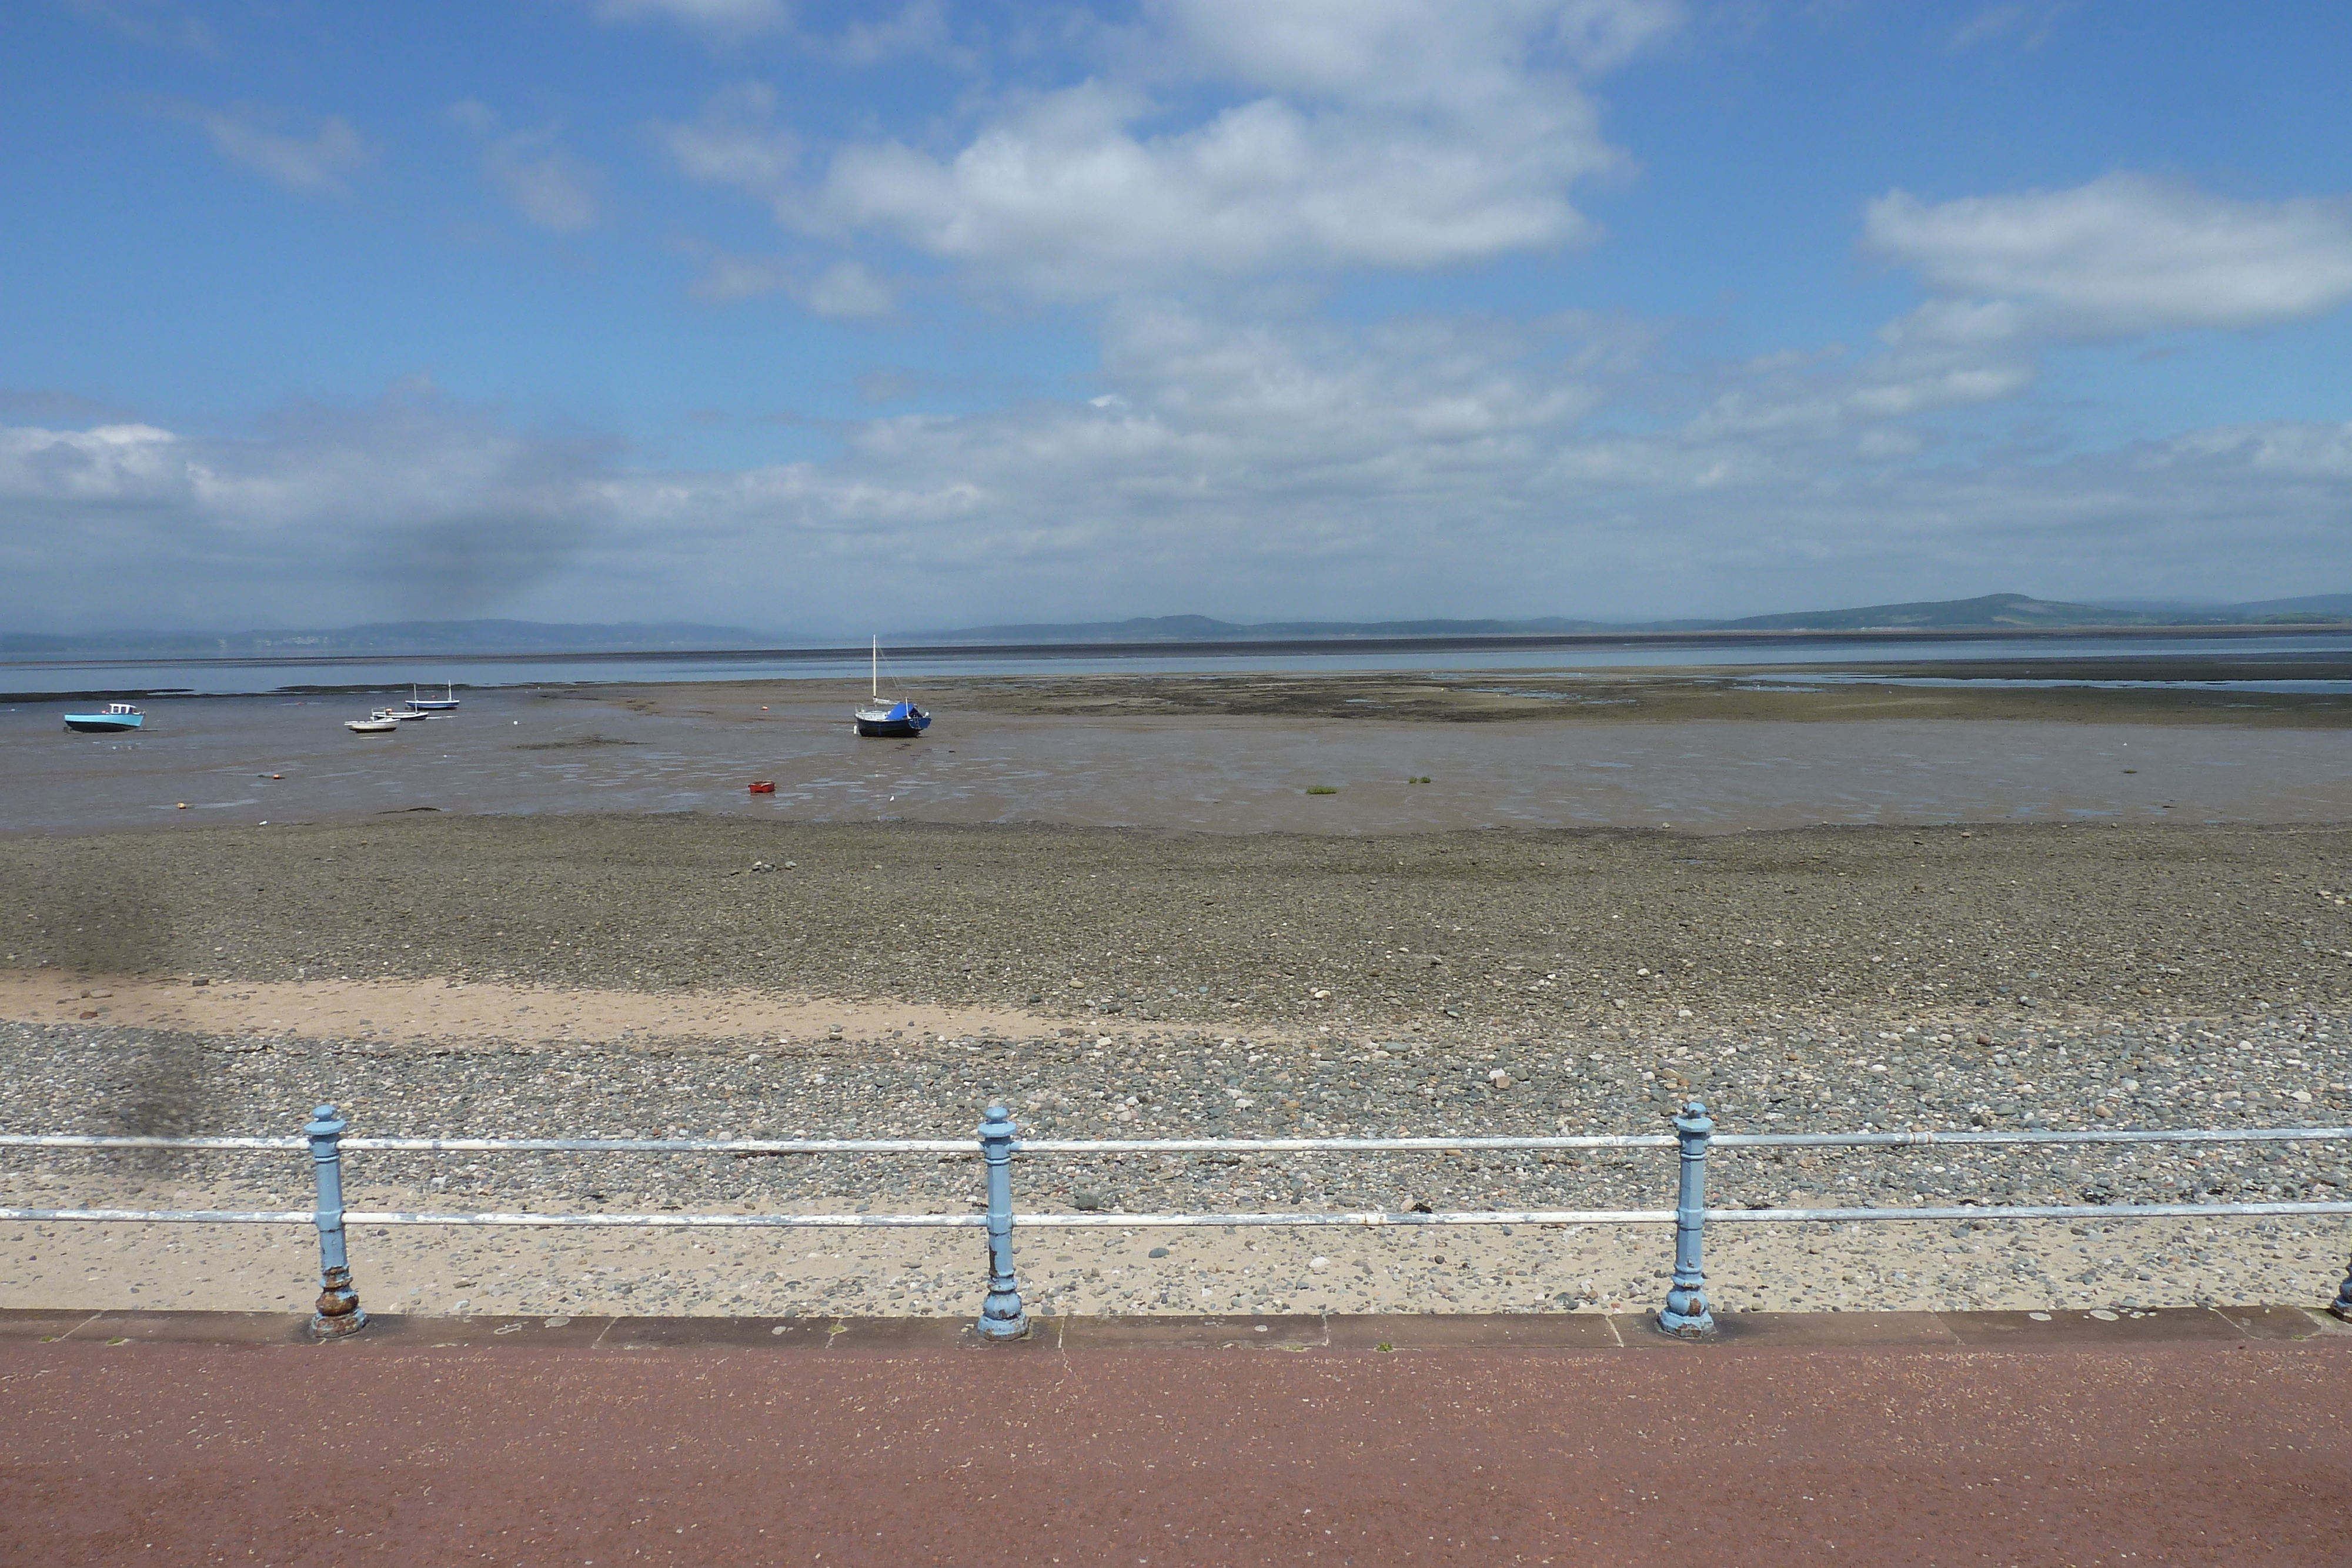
[[392, 676]]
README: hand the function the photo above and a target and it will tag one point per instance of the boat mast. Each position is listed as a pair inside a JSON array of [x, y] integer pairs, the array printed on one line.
[[877, 674]]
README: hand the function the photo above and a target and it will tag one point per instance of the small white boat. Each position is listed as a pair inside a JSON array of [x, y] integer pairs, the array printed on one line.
[[447, 700], [375, 725], [398, 715]]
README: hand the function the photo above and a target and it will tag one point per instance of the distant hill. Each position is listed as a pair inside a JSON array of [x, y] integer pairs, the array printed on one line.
[[1207, 629], [396, 637], [1986, 612], [1992, 611], [2311, 607]]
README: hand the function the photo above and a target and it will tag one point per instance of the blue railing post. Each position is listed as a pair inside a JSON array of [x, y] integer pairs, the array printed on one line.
[[1685, 1315], [1001, 1317], [339, 1311], [2342, 1305]]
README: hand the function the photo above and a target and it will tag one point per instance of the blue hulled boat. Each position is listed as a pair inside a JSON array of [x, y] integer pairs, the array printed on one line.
[[118, 718], [892, 717]]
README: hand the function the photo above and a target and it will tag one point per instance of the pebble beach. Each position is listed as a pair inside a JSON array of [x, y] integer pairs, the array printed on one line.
[[682, 975]]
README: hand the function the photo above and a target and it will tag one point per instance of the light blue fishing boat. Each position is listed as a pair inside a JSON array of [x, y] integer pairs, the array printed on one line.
[[118, 718]]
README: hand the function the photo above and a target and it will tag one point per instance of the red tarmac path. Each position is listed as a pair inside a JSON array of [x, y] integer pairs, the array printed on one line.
[[2175, 1438]]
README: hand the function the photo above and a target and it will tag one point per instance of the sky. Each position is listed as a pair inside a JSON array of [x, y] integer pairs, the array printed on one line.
[[828, 318]]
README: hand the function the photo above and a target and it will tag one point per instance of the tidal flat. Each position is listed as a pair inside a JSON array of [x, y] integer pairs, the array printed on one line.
[[536, 975], [1719, 751]]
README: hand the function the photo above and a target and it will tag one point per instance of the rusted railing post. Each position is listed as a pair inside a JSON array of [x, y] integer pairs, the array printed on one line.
[[1002, 1316], [1685, 1315], [339, 1311], [2342, 1305]]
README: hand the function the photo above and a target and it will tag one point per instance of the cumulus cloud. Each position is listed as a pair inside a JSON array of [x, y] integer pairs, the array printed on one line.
[[1263, 468], [317, 162], [2122, 255], [410, 508], [1404, 134]]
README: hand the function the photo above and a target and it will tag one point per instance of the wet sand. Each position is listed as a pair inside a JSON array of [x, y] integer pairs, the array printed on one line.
[[1383, 754]]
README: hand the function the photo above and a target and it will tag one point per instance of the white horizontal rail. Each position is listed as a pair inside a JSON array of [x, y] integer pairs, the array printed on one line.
[[1114, 1221], [2115, 1135]]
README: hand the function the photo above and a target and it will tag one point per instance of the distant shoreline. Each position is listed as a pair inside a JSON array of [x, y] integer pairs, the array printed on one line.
[[1288, 646], [1217, 645]]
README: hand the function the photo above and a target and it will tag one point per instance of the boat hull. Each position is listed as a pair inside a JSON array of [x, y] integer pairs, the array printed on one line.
[[893, 728], [434, 705], [101, 724]]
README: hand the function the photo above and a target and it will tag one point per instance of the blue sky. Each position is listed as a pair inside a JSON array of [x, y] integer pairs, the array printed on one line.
[[826, 317]]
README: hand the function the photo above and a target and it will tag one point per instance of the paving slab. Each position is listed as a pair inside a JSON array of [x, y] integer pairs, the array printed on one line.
[[2284, 1323], [2076, 1328], [1812, 1330]]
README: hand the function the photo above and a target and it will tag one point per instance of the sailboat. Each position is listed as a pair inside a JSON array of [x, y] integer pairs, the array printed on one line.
[[894, 717], [447, 700]]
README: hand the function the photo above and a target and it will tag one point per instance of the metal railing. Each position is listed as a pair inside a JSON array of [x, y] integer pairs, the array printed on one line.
[[1003, 1314]]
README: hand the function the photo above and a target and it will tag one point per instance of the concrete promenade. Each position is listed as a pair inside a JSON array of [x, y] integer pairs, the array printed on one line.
[[1981, 1438]]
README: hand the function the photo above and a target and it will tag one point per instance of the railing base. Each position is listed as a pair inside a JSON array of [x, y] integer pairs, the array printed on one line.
[[1679, 1325]]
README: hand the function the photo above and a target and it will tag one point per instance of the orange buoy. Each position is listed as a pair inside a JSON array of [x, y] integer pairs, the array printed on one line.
[[764, 786]]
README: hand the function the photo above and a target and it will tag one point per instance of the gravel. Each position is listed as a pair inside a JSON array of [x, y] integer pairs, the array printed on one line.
[[1490, 983], [1497, 930]]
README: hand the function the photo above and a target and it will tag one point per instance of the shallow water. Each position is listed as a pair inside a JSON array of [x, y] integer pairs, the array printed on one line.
[[234, 676], [514, 752]]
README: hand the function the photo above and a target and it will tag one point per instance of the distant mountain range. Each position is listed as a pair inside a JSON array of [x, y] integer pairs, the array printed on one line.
[[1990, 612], [396, 637]]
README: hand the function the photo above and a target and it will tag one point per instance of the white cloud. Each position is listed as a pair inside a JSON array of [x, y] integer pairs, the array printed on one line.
[[1404, 52], [728, 279], [2122, 255], [532, 170], [724, 20], [315, 163], [1391, 133], [547, 184], [410, 508], [1260, 469], [2028, 26], [735, 141], [848, 291], [165, 23], [919, 27]]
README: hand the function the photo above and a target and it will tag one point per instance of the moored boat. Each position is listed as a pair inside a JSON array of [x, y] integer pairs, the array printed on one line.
[[399, 714], [891, 717], [375, 724], [118, 718], [447, 700]]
